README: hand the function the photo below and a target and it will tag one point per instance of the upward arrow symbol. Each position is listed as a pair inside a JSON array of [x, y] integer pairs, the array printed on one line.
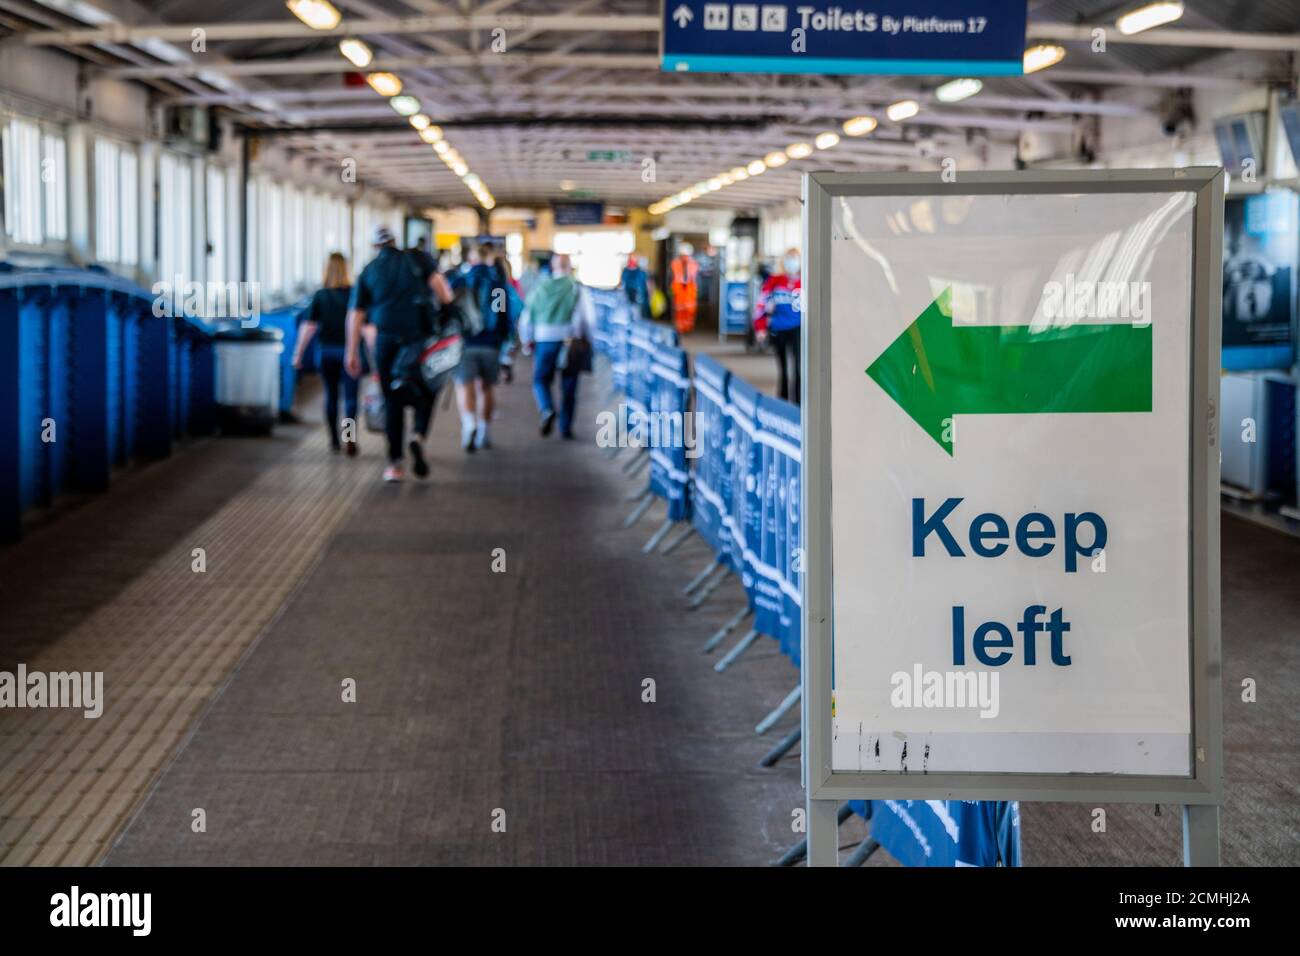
[[683, 15]]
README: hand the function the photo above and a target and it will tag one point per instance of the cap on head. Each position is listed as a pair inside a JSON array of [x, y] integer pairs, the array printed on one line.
[[686, 249], [382, 236]]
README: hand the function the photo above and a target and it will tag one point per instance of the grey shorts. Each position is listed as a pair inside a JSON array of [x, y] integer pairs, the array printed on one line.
[[479, 362]]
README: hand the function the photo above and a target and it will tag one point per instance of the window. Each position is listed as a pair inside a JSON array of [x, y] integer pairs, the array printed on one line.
[[54, 174], [217, 246], [175, 218], [598, 255], [117, 209], [35, 183]]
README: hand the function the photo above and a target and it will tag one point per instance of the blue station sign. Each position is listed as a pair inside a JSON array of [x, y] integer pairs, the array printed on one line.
[[945, 37]]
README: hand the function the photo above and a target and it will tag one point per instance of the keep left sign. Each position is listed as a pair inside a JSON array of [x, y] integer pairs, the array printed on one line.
[[1009, 412]]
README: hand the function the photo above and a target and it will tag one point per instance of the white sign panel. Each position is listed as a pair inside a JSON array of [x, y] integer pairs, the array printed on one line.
[[1009, 419]]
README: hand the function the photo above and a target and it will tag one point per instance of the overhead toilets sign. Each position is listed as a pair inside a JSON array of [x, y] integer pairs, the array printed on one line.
[[1012, 486], [985, 37]]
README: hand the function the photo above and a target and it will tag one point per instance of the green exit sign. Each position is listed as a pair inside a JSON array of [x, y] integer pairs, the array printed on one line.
[[609, 156]]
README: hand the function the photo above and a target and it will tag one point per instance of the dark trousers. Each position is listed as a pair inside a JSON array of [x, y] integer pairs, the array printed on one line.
[[543, 373], [333, 375], [394, 411], [786, 345]]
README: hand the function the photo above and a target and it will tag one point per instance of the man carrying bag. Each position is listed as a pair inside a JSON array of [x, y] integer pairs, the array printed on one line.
[[402, 298]]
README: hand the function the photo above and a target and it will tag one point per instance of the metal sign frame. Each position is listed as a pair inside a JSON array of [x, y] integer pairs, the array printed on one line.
[[1201, 792]]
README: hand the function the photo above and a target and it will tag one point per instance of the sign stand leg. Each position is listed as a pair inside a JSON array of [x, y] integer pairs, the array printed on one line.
[[1200, 835], [823, 832]]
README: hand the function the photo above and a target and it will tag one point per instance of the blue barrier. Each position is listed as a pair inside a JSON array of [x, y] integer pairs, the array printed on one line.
[[711, 476], [92, 380], [743, 515], [946, 832], [670, 389], [743, 500], [777, 600]]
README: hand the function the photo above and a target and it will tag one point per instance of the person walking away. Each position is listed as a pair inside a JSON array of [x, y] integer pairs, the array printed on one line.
[[781, 302], [558, 312], [636, 286], [515, 295], [686, 292], [479, 367], [395, 294], [327, 317]]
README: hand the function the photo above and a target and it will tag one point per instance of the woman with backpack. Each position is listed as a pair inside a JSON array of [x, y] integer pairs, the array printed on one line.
[[486, 287]]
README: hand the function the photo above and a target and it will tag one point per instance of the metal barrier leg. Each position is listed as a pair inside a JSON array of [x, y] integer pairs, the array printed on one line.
[[696, 581], [635, 460], [658, 536], [862, 853], [672, 545], [641, 465], [709, 588], [800, 849], [770, 720], [732, 655], [720, 634], [647, 499], [781, 749], [613, 450]]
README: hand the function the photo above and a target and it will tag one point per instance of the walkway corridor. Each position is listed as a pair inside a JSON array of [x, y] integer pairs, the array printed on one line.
[[476, 691]]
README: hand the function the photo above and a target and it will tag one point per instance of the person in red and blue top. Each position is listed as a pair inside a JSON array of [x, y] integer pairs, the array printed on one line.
[[781, 302]]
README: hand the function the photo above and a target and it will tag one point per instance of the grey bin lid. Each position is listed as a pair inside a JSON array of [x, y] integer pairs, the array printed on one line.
[[235, 332]]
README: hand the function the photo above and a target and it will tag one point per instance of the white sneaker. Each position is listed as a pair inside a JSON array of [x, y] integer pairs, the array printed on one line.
[[394, 473]]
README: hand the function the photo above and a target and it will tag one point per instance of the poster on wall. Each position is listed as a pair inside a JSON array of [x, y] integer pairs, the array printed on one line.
[[1261, 235]]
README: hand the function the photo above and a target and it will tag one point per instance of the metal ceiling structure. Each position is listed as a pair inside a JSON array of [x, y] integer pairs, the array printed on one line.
[[526, 90]]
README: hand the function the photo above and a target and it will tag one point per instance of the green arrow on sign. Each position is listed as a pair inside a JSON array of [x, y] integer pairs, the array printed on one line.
[[935, 370]]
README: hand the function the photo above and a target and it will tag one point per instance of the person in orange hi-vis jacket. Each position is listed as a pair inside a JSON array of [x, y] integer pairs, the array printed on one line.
[[686, 273]]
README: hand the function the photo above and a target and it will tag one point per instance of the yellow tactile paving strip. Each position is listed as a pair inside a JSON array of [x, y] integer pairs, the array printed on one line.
[[166, 641]]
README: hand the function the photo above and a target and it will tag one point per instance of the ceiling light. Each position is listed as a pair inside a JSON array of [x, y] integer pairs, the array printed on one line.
[[756, 167], [490, 203], [356, 51], [568, 185], [405, 105], [472, 181], [440, 146], [714, 184], [738, 173], [385, 84], [775, 159], [799, 150], [1152, 15], [859, 125], [420, 121], [903, 109], [431, 135], [460, 169], [1042, 56], [317, 14], [826, 140], [954, 91]]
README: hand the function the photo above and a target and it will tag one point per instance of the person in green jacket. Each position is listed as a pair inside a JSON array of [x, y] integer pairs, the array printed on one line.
[[559, 311]]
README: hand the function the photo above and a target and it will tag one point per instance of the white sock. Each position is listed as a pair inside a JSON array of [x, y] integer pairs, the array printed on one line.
[[480, 430], [467, 420]]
